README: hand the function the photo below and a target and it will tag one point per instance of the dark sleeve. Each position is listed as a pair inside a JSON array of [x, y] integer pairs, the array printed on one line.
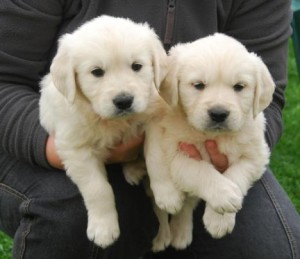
[[28, 31], [264, 27]]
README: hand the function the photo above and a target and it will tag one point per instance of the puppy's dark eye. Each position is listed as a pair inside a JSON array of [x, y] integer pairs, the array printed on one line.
[[238, 87], [199, 85], [98, 72], [136, 66]]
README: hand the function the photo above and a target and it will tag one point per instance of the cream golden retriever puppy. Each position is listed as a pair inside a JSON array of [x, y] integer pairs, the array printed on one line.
[[218, 91], [101, 90]]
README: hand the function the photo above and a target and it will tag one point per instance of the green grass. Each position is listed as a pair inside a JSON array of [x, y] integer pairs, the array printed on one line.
[[5, 247], [285, 160]]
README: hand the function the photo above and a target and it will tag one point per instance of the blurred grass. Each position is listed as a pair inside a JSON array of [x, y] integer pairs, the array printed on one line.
[[285, 160], [5, 247]]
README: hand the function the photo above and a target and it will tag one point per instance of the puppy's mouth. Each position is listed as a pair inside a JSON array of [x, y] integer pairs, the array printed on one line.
[[124, 113], [218, 127]]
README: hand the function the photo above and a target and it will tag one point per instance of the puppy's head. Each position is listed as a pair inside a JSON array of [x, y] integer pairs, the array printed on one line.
[[217, 83], [113, 63]]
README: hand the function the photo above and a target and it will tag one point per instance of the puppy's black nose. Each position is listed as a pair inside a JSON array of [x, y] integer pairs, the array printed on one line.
[[123, 101], [218, 114]]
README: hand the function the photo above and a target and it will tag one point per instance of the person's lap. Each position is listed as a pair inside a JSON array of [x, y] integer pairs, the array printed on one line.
[[45, 213], [267, 226]]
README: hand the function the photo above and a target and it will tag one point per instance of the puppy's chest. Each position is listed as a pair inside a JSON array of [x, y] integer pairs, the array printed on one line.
[[113, 133], [230, 145]]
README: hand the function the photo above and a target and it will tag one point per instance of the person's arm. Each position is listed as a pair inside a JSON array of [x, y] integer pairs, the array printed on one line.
[[264, 27], [123, 152], [28, 33]]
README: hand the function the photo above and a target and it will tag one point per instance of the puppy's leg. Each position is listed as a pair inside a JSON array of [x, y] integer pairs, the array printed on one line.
[[167, 196], [218, 225], [245, 172], [182, 224], [90, 176], [135, 171], [163, 237], [201, 179]]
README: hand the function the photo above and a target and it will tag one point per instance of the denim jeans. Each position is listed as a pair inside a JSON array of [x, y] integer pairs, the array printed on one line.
[[44, 213]]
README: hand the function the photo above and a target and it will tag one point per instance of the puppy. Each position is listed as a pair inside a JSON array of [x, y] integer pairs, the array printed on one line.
[[101, 90], [217, 91]]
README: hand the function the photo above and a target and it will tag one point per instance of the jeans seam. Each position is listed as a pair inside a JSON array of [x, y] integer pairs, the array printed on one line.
[[26, 201], [13, 192], [287, 229], [24, 235]]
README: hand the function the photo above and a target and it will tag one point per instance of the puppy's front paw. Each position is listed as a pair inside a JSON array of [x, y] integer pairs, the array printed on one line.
[[103, 231], [134, 172], [162, 239], [226, 198], [182, 233], [218, 225], [169, 198]]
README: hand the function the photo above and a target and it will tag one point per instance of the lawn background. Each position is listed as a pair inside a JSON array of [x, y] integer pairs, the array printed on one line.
[[285, 160]]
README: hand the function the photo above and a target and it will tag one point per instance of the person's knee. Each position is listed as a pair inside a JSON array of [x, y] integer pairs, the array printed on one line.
[[60, 211]]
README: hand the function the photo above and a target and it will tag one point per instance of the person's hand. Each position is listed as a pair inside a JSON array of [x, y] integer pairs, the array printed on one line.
[[126, 152], [218, 159], [121, 153], [51, 154]]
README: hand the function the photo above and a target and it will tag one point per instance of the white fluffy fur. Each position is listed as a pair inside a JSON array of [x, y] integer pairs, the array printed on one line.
[[78, 108], [219, 63]]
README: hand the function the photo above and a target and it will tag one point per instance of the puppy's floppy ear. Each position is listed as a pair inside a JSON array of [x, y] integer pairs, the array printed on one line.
[[159, 62], [169, 87], [62, 70], [265, 86]]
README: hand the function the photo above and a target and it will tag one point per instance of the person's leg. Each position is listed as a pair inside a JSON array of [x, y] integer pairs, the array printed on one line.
[[267, 227], [44, 212]]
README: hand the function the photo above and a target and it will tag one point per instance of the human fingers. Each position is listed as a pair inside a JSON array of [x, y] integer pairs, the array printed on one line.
[[51, 154], [219, 160], [190, 150]]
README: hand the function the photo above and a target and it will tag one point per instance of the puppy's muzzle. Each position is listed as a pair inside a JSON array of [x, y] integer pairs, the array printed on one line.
[[123, 101], [218, 114]]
